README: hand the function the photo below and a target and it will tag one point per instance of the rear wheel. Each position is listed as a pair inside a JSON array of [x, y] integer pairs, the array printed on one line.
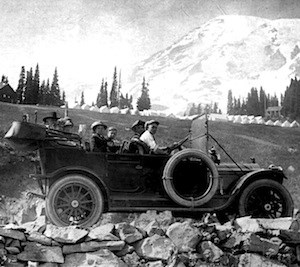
[[266, 199], [74, 200]]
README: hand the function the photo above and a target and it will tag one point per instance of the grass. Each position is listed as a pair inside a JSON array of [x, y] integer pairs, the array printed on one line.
[[267, 144]]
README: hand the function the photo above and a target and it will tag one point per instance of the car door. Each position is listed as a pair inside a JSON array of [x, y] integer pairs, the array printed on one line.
[[124, 172]]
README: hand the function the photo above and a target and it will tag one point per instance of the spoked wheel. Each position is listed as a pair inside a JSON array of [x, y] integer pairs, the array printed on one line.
[[266, 199], [74, 200]]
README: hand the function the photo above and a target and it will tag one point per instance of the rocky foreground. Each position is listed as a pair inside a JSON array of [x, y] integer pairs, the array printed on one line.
[[153, 240]]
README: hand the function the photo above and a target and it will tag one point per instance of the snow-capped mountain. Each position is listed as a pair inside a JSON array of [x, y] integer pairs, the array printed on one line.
[[228, 52]]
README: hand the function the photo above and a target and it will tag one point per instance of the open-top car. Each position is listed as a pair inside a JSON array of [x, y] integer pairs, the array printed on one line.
[[79, 185]]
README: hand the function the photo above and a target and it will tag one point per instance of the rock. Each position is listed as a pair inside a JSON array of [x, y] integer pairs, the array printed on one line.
[[132, 260], [14, 234], [127, 249], [128, 233], [235, 240], [289, 236], [39, 238], [276, 224], [163, 218], [68, 235], [15, 264], [35, 225], [184, 236], [155, 264], [40, 253], [209, 251], [93, 246], [155, 248], [154, 228], [261, 245], [247, 224], [12, 250], [255, 260], [49, 264], [100, 258], [103, 233]]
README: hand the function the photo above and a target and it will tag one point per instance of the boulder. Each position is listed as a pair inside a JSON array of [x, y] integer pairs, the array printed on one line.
[[184, 236], [103, 233], [155, 248], [154, 228], [128, 233], [39, 238], [40, 253], [69, 235], [100, 258], [209, 251], [93, 246], [14, 234], [255, 260]]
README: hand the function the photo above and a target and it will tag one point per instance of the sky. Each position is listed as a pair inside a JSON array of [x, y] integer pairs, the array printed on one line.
[[86, 39]]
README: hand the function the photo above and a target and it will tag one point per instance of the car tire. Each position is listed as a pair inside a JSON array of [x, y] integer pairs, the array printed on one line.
[[168, 175], [74, 199], [266, 198]]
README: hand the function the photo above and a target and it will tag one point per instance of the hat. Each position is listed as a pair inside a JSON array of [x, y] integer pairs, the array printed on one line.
[[111, 128], [98, 123], [150, 122], [52, 115], [68, 123], [137, 123]]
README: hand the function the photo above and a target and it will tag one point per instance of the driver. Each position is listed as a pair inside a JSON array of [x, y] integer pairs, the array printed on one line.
[[148, 138], [98, 141]]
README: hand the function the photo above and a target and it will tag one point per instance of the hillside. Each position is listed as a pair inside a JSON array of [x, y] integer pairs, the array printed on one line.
[[269, 145], [227, 52]]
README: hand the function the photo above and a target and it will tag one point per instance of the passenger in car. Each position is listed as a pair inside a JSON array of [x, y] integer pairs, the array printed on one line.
[[113, 145], [138, 127], [50, 121], [148, 138], [98, 142]]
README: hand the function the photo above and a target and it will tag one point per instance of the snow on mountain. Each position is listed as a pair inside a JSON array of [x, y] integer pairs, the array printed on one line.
[[228, 52]]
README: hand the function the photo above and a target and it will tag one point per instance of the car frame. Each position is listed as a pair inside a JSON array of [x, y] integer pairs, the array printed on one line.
[[79, 185]]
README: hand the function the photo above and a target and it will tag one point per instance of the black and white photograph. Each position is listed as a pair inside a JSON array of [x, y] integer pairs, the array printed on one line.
[[157, 133]]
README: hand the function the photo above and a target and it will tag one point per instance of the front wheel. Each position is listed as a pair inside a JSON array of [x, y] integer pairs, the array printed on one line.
[[266, 199], [74, 200]]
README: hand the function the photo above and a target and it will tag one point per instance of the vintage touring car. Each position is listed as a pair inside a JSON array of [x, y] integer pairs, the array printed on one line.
[[79, 185]]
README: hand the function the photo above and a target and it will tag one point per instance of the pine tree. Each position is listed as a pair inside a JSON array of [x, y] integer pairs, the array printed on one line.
[[21, 86], [55, 91], [36, 85], [105, 95], [229, 103], [28, 88], [143, 101], [82, 99], [47, 94], [114, 91], [63, 98], [262, 102], [42, 94]]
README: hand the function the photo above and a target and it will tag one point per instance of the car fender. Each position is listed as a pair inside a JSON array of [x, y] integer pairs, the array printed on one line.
[[250, 177], [82, 170]]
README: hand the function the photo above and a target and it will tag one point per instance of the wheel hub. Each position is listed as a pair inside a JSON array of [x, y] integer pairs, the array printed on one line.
[[267, 207], [75, 203]]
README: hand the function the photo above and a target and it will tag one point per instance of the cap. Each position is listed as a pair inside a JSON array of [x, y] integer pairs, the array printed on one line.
[[111, 128], [137, 123], [52, 115], [98, 123], [68, 123], [150, 122]]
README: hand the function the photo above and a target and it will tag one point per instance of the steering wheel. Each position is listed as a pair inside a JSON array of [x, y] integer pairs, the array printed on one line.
[[179, 144]]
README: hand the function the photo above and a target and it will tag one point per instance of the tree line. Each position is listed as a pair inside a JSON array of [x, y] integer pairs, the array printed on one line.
[[256, 102], [115, 97], [31, 91]]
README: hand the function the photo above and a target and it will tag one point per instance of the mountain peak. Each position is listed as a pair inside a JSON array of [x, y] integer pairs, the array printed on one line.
[[226, 53]]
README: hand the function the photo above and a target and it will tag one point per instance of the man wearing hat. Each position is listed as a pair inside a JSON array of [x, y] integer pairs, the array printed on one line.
[[50, 121], [138, 127], [148, 137], [98, 142]]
